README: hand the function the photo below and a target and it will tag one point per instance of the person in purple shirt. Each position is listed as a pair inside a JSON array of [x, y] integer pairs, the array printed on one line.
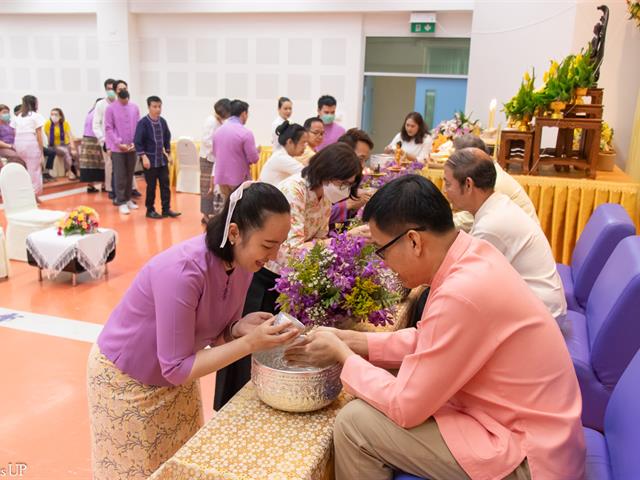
[[120, 121], [327, 113], [234, 148], [143, 372], [8, 137]]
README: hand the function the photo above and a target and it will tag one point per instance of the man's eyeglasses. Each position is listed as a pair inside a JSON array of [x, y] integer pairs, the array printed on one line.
[[380, 251], [318, 133]]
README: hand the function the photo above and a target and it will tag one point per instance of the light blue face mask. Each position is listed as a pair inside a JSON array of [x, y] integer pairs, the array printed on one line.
[[111, 94], [5, 117], [328, 118]]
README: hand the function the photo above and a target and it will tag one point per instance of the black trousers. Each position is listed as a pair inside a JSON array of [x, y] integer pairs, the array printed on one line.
[[159, 175], [260, 298]]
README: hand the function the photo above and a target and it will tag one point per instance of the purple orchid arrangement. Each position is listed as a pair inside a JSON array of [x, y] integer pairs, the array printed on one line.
[[331, 285], [390, 174]]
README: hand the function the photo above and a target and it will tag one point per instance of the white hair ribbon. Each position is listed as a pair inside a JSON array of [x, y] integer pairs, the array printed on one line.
[[235, 197]]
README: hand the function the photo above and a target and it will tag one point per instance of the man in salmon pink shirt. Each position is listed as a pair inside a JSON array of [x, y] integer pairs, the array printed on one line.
[[485, 387]]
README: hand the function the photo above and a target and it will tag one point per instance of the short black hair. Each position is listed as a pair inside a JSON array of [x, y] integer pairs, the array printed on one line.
[[354, 135], [281, 101], [238, 107], [469, 140], [118, 82], [409, 201], [223, 107], [337, 161], [17, 109], [475, 164], [153, 98], [326, 100], [422, 128], [258, 201], [310, 121], [286, 131], [109, 81]]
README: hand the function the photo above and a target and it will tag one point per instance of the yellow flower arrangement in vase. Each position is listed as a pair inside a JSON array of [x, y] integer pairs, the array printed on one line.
[[80, 221]]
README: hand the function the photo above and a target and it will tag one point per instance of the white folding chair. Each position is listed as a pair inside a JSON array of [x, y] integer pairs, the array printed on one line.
[[21, 210], [188, 166]]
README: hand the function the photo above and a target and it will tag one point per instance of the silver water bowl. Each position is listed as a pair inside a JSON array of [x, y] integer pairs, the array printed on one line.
[[293, 389]]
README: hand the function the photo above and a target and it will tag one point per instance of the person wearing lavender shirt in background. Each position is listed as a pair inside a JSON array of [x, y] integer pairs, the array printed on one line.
[[7, 138], [120, 121], [235, 149], [91, 160], [327, 113], [143, 372]]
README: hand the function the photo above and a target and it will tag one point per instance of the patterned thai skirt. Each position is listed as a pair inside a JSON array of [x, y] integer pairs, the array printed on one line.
[[136, 427], [91, 160]]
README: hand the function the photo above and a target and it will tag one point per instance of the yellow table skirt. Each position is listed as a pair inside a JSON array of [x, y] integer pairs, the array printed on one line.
[[248, 440], [563, 204]]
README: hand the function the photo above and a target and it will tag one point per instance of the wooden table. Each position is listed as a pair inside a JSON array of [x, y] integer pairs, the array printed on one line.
[[564, 154]]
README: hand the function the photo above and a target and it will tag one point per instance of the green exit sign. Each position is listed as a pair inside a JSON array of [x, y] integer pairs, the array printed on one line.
[[423, 27]]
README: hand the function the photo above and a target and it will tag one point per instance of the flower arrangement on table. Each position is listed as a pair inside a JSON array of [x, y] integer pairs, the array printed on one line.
[[383, 175], [80, 221], [446, 131], [634, 11], [332, 284], [521, 108]]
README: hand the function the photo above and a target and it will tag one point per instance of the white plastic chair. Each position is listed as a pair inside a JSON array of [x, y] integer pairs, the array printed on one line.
[[21, 210], [188, 166], [4, 259]]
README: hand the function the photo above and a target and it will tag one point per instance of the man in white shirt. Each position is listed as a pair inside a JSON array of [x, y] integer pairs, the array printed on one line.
[[505, 183], [470, 178], [221, 111]]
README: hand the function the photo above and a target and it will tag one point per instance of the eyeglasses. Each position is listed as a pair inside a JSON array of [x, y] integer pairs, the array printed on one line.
[[318, 133], [380, 251]]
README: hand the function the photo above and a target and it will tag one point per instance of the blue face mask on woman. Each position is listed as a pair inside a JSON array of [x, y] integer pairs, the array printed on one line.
[[5, 117]]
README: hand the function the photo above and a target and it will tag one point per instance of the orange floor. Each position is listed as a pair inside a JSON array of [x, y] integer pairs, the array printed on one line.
[[43, 409]]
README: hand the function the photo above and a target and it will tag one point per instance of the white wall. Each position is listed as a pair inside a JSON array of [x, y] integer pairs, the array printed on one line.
[[54, 58], [620, 73], [507, 39], [192, 60]]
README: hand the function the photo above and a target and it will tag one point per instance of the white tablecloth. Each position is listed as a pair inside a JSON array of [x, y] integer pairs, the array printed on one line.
[[52, 252]]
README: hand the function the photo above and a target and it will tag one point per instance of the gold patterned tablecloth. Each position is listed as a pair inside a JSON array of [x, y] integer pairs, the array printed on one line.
[[248, 440]]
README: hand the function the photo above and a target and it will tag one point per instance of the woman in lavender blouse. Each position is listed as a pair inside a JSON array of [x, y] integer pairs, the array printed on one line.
[[144, 395]]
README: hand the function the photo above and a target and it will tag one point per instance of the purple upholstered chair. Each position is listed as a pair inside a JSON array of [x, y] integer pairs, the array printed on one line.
[[608, 224], [604, 339], [614, 455]]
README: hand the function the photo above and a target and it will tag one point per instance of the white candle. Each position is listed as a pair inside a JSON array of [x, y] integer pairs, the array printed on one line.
[[492, 114]]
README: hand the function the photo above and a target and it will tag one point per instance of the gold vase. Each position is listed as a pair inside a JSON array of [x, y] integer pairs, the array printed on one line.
[[578, 93], [557, 106], [525, 123]]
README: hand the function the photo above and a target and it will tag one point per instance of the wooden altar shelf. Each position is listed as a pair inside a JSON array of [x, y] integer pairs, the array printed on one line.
[[585, 157], [515, 147]]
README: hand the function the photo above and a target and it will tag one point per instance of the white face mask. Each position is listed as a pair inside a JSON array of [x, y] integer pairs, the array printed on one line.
[[336, 193], [55, 118]]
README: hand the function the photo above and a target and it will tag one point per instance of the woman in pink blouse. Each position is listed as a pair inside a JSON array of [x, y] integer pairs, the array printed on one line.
[[144, 395], [485, 387]]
